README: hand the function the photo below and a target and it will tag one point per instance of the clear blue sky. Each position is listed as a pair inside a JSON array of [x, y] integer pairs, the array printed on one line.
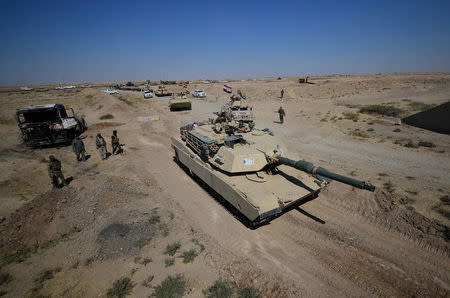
[[78, 41]]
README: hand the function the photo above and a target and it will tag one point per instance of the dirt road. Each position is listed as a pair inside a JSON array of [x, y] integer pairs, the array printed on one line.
[[118, 212]]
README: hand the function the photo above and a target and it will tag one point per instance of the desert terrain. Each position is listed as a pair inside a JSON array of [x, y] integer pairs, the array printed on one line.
[[140, 216]]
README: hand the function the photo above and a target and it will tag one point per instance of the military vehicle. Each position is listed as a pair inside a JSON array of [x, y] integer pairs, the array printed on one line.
[[168, 82], [49, 124], [251, 171], [180, 103], [239, 109], [304, 80], [162, 91]]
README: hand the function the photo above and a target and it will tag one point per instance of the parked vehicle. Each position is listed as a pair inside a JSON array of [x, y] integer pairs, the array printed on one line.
[[49, 124], [147, 94], [111, 91], [199, 93]]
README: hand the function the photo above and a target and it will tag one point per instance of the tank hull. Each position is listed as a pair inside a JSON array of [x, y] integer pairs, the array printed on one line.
[[259, 197]]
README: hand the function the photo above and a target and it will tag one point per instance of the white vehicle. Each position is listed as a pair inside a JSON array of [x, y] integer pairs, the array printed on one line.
[[199, 93], [26, 88], [147, 94], [111, 91], [69, 87]]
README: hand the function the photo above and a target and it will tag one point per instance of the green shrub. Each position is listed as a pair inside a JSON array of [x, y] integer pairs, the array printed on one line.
[[426, 144], [106, 116], [220, 289], [169, 262], [419, 106], [172, 248], [173, 287], [358, 133], [121, 288], [248, 292], [410, 144], [351, 116], [147, 281], [146, 261], [189, 255]]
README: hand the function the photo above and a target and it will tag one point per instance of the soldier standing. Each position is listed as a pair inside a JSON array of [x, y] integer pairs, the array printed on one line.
[[54, 171], [115, 143], [281, 113], [281, 91], [101, 146], [78, 148]]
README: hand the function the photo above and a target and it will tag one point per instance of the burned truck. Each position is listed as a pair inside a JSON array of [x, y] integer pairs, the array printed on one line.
[[50, 124]]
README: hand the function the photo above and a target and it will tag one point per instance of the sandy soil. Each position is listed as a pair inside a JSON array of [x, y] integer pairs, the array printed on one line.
[[117, 213]]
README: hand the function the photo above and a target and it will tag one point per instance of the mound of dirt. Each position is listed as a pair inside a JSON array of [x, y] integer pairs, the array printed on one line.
[[121, 239], [411, 223], [26, 228]]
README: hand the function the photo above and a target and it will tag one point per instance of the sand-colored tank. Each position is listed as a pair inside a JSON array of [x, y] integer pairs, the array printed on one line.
[[180, 103], [251, 171], [162, 91]]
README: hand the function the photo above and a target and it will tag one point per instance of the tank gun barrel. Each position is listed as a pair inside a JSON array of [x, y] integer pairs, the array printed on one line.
[[309, 168]]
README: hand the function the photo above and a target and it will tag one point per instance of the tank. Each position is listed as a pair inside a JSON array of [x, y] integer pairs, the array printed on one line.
[[162, 91], [180, 103], [251, 169]]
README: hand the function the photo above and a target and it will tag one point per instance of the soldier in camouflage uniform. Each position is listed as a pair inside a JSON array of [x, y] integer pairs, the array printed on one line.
[[78, 148], [115, 143], [101, 146], [281, 113], [54, 171]]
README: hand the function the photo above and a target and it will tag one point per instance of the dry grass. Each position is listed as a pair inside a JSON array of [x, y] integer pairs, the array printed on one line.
[[386, 110]]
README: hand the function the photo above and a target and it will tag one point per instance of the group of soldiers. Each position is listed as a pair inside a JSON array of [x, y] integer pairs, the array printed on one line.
[[54, 165], [100, 143]]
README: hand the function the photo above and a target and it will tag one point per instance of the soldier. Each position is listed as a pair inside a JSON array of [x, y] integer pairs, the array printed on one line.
[[101, 146], [54, 171], [78, 148], [281, 91], [281, 113], [115, 144]]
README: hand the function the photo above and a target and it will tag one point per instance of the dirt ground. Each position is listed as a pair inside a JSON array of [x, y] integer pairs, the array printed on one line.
[[117, 217]]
